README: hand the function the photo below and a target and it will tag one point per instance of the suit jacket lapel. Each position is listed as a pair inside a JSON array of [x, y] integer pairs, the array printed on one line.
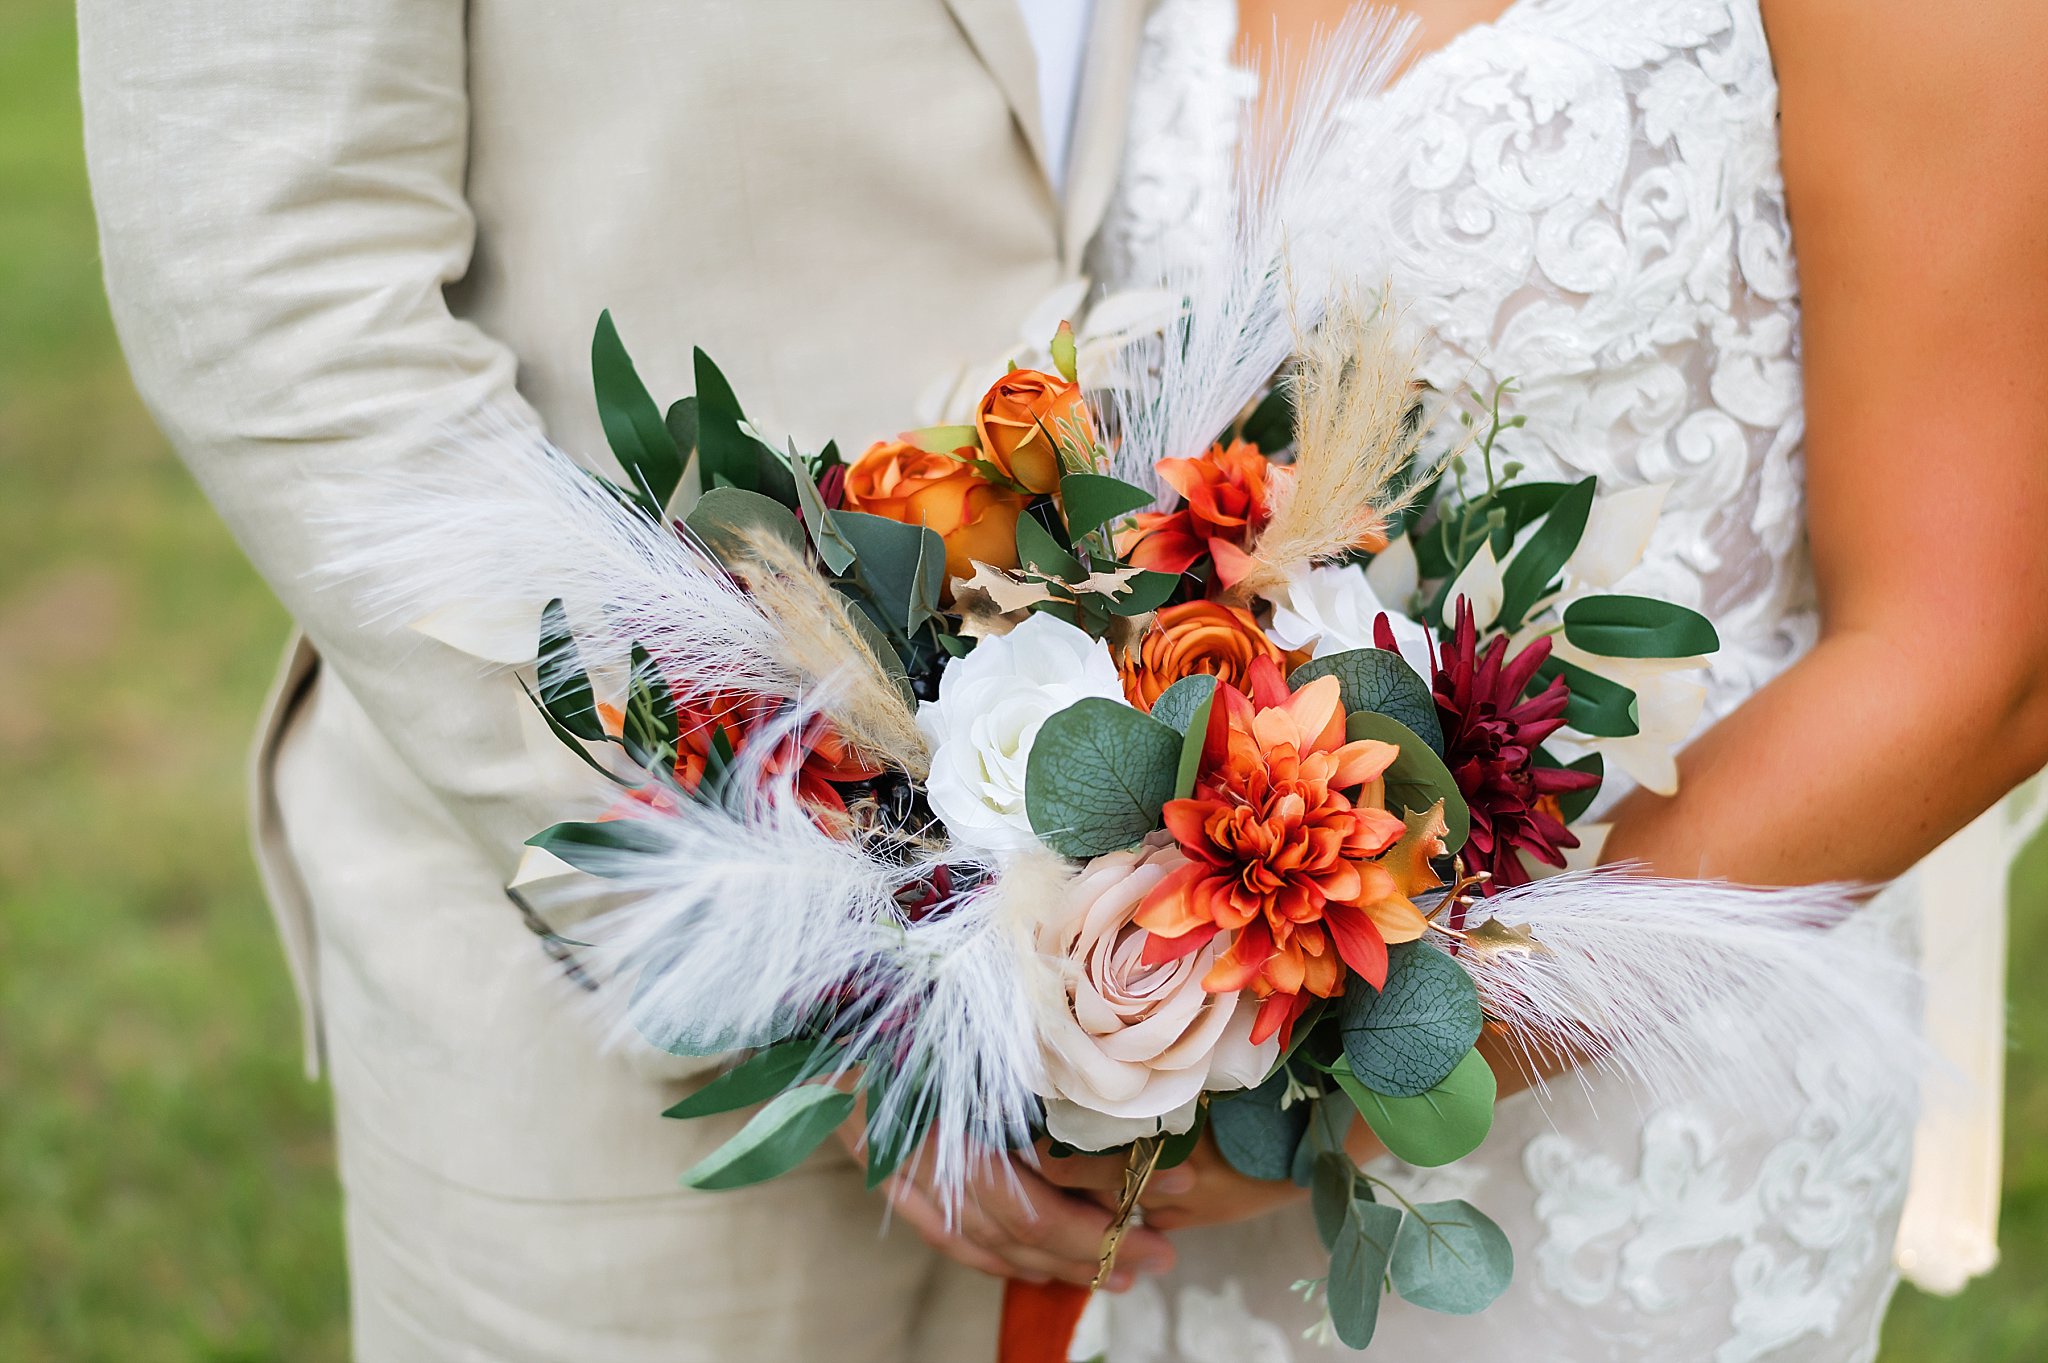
[[1101, 115], [995, 29]]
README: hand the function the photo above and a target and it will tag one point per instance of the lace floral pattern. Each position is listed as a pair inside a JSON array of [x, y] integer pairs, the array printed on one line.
[[1583, 196]]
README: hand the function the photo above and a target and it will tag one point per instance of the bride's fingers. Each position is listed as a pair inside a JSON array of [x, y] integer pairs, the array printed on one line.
[[1050, 1221], [1093, 1173], [930, 1224]]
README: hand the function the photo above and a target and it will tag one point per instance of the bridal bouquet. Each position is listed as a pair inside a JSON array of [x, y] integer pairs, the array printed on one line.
[[1179, 753], [977, 790]]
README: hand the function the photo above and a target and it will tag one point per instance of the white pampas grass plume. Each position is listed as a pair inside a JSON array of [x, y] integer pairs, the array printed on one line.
[[408, 544], [1356, 434], [1260, 266], [1696, 988], [739, 919]]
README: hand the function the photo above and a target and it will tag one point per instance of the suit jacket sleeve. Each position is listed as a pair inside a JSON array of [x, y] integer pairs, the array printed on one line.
[[279, 189]]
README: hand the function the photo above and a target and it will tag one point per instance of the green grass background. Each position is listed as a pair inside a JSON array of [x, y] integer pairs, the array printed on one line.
[[167, 1191]]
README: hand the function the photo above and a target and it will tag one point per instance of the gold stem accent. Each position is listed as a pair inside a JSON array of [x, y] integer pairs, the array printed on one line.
[[1144, 1159]]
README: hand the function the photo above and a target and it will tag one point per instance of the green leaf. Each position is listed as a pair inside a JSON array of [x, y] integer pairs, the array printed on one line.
[[1147, 591], [1329, 1122], [778, 1138], [1176, 1149], [1380, 681], [890, 1139], [1358, 1268], [1637, 627], [756, 1079], [727, 454], [1191, 744], [1418, 778], [1092, 500], [1447, 1123], [833, 550], [1451, 1257], [885, 652], [1271, 424], [633, 425], [1528, 576], [944, 439], [565, 693], [1329, 1195], [1599, 707], [1178, 703], [1098, 776], [1256, 1136], [1036, 548], [574, 742], [723, 515], [1521, 504], [1407, 1038], [650, 730], [901, 568], [599, 848]]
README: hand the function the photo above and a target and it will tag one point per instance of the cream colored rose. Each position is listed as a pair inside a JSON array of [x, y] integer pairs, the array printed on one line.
[[1134, 1046]]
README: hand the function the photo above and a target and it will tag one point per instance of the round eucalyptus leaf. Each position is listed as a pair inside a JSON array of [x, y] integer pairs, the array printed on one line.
[[1382, 682], [1447, 1123], [1451, 1257], [1099, 774], [1406, 1038]]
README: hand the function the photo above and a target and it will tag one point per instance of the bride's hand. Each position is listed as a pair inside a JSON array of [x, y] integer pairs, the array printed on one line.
[[1014, 1223]]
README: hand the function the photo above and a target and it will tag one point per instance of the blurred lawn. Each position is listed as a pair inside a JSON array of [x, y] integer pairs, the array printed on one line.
[[166, 1180]]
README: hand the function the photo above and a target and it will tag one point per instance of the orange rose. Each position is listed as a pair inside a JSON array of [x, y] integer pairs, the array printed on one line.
[[1022, 421], [976, 519], [1196, 636]]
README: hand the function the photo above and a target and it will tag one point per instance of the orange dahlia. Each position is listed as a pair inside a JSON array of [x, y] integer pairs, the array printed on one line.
[[1281, 835]]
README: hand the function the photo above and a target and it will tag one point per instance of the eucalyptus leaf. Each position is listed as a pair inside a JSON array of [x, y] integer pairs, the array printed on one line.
[[1380, 681], [1418, 778], [756, 1079], [633, 424], [1145, 592], [1451, 1257], [1329, 1195], [1192, 744], [780, 1136], [1529, 575], [1447, 1123], [1617, 626], [901, 568], [1098, 775], [1358, 1269], [833, 550], [1255, 1135], [728, 454], [1092, 500], [1407, 1037], [1178, 703], [723, 516]]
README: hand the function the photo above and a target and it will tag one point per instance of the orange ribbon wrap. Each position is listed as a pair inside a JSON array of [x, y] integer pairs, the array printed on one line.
[[1039, 1320]]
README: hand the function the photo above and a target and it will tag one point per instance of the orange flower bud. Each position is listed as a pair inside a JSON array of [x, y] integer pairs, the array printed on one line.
[[1021, 421]]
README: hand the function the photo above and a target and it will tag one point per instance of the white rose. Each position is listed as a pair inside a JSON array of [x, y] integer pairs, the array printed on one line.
[[990, 706], [1133, 1047], [1333, 609]]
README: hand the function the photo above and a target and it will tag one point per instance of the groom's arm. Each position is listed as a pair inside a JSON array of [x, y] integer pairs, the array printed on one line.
[[279, 189]]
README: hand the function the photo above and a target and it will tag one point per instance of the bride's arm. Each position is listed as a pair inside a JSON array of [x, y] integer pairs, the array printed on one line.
[[1915, 142]]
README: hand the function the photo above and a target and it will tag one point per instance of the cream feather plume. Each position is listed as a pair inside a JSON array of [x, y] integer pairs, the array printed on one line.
[[1703, 989], [409, 547], [1257, 267]]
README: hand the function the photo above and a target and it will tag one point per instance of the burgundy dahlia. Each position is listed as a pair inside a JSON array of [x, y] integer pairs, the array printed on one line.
[[1491, 733]]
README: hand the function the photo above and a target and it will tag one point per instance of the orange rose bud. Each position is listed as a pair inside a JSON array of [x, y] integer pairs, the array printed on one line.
[[976, 519], [1196, 636], [1023, 419]]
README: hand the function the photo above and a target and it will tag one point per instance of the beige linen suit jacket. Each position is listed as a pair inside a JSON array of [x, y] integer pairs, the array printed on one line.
[[333, 227]]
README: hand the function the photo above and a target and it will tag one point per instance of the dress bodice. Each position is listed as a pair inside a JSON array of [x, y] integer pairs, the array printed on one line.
[[1583, 197]]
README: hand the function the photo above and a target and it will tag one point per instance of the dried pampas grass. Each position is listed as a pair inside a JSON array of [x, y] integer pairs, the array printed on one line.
[[1355, 436], [866, 701]]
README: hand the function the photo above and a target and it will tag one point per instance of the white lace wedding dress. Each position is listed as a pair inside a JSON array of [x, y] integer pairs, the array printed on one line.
[[1590, 204]]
